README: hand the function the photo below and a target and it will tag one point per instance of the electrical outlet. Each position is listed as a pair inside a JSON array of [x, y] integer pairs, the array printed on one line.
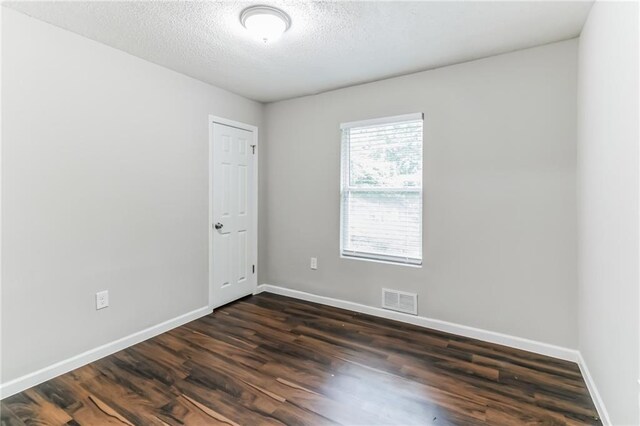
[[314, 263], [102, 299]]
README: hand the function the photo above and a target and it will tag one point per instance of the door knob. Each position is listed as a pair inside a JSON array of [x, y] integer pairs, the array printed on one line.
[[218, 225]]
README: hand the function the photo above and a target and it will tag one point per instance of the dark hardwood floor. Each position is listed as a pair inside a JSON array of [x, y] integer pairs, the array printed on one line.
[[273, 360]]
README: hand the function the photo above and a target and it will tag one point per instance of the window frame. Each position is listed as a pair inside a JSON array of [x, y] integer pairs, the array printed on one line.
[[345, 186]]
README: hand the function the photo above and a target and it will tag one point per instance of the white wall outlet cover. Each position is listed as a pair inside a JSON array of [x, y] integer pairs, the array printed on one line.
[[102, 299], [314, 263]]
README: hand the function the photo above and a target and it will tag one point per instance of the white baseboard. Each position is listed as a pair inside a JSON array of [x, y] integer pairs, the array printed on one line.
[[554, 351], [593, 391], [32, 379], [435, 324]]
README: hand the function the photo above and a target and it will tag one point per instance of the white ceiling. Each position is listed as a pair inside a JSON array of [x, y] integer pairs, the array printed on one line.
[[329, 45]]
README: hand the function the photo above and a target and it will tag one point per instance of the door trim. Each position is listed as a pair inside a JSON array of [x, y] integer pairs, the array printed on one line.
[[213, 119]]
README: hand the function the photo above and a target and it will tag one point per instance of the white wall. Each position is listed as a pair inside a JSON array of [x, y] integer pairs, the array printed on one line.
[[104, 186], [608, 205], [499, 204]]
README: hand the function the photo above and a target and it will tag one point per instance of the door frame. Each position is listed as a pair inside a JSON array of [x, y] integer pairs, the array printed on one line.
[[213, 119]]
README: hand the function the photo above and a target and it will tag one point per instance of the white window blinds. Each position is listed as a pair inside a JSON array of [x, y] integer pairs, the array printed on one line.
[[381, 189]]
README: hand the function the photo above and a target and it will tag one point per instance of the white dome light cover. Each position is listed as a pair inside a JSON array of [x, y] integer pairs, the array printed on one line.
[[265, 22]]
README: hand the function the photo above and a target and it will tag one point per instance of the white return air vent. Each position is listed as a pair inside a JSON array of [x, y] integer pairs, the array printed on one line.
[[400, 301]]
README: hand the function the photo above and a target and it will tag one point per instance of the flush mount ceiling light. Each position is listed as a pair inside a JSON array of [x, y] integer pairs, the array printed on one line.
[[265, 22]]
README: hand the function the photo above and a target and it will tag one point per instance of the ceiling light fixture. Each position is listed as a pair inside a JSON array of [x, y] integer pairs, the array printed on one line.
[[265, 22]]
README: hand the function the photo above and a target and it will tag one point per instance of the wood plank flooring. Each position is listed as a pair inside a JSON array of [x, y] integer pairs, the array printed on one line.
[[268, 360]]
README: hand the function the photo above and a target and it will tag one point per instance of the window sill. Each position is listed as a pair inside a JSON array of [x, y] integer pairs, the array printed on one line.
[[386, 262]]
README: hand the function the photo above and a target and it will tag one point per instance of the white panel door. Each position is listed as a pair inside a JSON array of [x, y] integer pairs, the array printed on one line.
[[232, 214]]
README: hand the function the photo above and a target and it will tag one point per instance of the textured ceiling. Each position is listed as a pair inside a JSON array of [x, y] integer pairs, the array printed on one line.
[[329, 45]]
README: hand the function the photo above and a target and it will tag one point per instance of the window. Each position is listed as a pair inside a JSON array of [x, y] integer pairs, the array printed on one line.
[[381, 189]]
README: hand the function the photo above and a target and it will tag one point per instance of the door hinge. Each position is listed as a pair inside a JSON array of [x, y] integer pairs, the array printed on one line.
[[254, 269], [253, 148]]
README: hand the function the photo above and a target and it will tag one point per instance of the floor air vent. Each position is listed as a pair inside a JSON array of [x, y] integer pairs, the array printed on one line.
[[400, 301]]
